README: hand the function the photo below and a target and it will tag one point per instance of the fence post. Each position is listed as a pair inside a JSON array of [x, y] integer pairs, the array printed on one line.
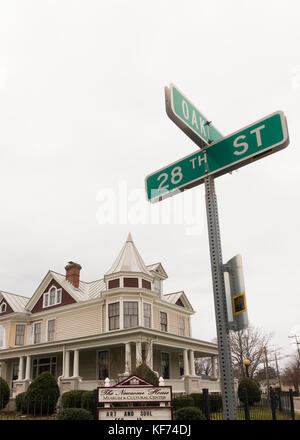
[[292, 404], [206, 403], [273, 404], [95, 404], [278, 391], [246, 404]]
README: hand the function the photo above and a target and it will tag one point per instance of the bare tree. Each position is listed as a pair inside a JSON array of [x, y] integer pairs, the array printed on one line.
[[203, 366], [291, 373], [248, 344]]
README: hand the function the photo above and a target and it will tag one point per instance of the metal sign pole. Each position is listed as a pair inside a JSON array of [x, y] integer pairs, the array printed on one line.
[[225, 362]]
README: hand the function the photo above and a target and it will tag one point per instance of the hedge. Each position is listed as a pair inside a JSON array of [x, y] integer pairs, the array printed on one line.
[[73, 399], [75, 414], [189, 413], [87, 401], [182, 402], [253, 391], [42, 395], [4, 393], [215, 401], [147, 374], [21, 405]]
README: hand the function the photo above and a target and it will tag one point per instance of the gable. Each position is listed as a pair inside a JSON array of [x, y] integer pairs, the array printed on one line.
[[179, 303], [157, 269], [8, 308], [66, 298]]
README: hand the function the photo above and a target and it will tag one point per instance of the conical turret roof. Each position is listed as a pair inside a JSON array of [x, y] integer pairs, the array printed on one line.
[[129, 260]]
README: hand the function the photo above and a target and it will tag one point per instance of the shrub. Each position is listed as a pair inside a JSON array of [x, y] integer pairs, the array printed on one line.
[[87, 400], [20, 402], [72, 399], [75, 414], [182, 402], [146, 373], [4, 393], [189, 413], [42, 395], [215, 401], [253, 391]]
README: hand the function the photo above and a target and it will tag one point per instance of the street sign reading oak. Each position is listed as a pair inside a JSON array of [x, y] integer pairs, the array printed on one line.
[[188, 117], [252, 142]]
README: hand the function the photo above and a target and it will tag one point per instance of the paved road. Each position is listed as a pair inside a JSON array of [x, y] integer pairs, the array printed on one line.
[[297, 404]]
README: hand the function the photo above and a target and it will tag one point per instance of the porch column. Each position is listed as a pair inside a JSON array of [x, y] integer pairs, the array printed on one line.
[[185, 363], [76, 364], [28, 368], [21, 368], [213, 369], [138, 353], [127, 357], [218, 369], [149, 354], [67, 364], [192, 363], [4, 371]]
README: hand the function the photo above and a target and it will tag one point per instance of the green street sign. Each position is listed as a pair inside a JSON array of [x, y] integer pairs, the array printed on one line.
[[184, 114], [251, 143]]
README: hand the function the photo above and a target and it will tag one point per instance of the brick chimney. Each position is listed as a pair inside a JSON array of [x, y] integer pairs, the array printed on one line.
[[73, 273]]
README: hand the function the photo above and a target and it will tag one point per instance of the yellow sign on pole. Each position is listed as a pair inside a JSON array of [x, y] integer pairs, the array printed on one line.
[[239, 303]]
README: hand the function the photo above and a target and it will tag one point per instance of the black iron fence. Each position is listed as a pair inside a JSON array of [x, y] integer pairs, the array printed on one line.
[[275, 405]]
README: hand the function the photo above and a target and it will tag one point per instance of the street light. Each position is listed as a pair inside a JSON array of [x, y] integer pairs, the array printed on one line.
[[246, 362]]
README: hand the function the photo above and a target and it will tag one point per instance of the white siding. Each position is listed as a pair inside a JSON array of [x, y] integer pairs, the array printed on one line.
[[79, 323]]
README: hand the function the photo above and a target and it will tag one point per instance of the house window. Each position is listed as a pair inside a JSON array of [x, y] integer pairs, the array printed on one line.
[[15, 373], [163, 322], [181, 367], [51, 330], [181, 323], [37, 333], [165, 366], [131, 282], [114, 316], [2, 336], [103, 364], [157, 285], [20, 334], [3, 308], [44, 364], [146, 284], [147, 315], [112, 284], [131, 317], [53, 297]]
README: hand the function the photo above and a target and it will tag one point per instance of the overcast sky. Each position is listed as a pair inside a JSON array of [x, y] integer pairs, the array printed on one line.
[[83, 121]]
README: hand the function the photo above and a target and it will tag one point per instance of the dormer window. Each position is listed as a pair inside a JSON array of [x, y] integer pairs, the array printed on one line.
[[3, 308], [157, 285], [52, 297]]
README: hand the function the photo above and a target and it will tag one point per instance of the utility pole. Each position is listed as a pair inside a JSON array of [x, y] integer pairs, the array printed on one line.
[[267, 371], [297, 343], [277, 369]]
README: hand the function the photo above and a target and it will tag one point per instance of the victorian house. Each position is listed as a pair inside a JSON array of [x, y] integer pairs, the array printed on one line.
[[83, 332]]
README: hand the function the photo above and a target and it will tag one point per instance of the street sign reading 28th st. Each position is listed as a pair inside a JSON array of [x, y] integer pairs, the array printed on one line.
[[253, 142]]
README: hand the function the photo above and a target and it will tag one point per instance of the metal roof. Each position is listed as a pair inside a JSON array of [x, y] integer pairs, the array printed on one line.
[[16, 302], [129, 260]]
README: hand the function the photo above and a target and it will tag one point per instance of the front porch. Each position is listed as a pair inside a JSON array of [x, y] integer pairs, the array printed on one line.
[[84, 365]]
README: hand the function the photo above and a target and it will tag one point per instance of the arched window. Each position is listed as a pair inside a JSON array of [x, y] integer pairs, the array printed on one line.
[[3, 308], [52, 297]]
